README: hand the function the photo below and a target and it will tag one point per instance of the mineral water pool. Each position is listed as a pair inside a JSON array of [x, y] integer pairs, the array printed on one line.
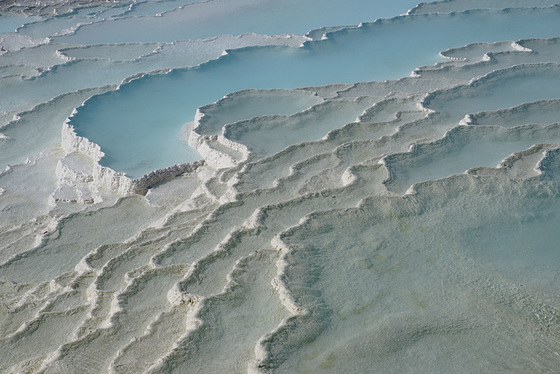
[[138, 126]]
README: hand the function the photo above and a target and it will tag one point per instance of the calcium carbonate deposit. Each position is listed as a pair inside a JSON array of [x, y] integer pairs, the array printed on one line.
[[298, 186]]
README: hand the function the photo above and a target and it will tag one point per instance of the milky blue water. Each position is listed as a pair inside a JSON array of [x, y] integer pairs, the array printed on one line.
[[221, 17], [154, 8], [65, 22], [123, 122], [11, 22]]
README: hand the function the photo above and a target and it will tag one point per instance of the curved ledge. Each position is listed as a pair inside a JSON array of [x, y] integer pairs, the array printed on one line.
[[106, 177]]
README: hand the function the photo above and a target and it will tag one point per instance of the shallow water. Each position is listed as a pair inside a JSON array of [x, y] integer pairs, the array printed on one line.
[[10, 22], [377, 51], [398, 288], [346, 217], [207, 19]]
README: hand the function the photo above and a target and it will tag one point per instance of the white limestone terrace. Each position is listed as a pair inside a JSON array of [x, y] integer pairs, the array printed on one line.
[[401, 223], [53, 7], [179, 85]]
